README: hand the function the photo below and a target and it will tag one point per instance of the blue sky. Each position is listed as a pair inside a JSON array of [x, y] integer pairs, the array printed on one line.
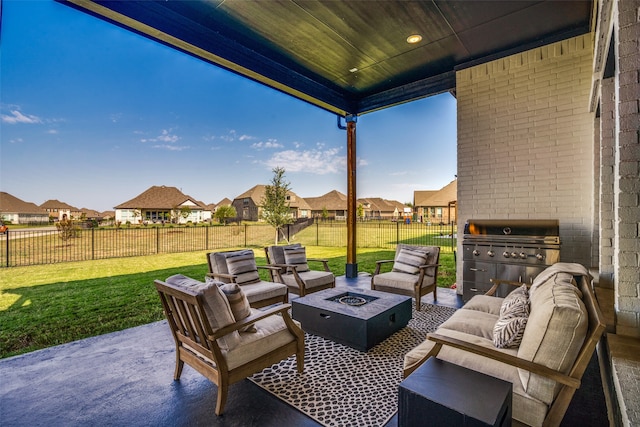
[[93, 115]]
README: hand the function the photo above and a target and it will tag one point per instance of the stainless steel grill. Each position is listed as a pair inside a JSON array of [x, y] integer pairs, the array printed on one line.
[[506, 249]]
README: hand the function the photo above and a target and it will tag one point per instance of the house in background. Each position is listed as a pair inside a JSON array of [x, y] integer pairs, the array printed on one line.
[[224, 202], [61, 211], [376, 208], [161, 203], [17, 211], [332, 205], [437, 206], [249, 204]]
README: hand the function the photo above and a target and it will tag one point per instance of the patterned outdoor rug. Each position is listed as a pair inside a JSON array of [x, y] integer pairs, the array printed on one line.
[[342, 386]]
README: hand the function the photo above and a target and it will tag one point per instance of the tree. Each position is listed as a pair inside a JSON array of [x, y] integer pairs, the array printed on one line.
[[275, 207], [223, 213], [360, 211], [325, 214]]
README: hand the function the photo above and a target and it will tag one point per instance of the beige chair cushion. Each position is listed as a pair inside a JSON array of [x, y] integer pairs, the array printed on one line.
[[242, 264], [276, 253], [238, 302], [556, 330], [216, 306], [312, 279], [394, 279], [263, 290], [271, 333], [408, 260], [296, 256]]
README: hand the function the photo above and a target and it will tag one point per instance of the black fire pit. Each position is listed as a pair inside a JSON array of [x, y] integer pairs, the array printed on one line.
[[359, 319]]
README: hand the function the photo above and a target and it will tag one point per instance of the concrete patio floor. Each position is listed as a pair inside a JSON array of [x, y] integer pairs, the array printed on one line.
[[126, 379]]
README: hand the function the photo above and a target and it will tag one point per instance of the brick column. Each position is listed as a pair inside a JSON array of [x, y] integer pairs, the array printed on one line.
[[627, 224], [607, 179]]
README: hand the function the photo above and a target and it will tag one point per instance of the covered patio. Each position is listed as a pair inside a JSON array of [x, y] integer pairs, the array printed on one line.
[[548, 112]]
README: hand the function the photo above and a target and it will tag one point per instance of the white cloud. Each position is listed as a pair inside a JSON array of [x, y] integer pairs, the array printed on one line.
[[270, 143], [318, 161], [52, 131], [165, 136], [246, 137], [16, 141], [170, 147], [17, 117]]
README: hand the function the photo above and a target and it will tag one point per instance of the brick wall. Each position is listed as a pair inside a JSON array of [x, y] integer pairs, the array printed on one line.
[[627, 168], [525, 142]]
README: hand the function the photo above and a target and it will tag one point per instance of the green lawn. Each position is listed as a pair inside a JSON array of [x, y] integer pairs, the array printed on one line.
[[47, 305]]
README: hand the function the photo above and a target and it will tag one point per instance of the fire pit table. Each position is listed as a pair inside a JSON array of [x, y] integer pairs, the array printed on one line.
[[358, 318]]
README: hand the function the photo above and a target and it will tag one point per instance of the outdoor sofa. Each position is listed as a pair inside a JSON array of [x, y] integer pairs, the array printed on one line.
[[540, 339]]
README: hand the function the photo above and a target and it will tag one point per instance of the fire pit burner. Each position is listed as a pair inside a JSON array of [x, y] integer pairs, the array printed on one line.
[[351, 299]]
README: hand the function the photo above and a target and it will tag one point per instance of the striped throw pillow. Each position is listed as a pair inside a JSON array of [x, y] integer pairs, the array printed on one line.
[[514, 314], [239, 304], [409, 260], [296, 256], [242, 264]]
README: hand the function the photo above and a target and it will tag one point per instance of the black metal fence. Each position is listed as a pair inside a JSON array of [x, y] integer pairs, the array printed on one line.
[[46, 246]]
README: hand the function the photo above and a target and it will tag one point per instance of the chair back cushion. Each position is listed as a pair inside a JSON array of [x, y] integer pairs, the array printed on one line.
[[215, 304], [556, 329], [409, 259], [218, 264], [296, 256], [276, 253], [238, 302], [242, 264]]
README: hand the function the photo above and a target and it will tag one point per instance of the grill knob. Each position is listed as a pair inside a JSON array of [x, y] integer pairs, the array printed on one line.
[[476, 252], [505, 254], [540, 257], [514, 255], [491, 253], [523, 255]]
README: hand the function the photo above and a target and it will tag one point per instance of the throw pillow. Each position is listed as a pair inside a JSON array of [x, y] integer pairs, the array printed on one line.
[[409, 260], [514, 314], [239, 304], [242, 264], [296, 256], [216, 307]]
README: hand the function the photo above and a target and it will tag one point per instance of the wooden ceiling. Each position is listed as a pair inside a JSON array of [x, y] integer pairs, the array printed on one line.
[[349, 57]]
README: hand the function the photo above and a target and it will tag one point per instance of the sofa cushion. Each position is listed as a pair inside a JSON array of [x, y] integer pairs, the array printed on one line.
[[557, 327], [409, 260], [514, 313], [243, 265], [216, 306], [472, 322], [239, 303], [276, 253], [296, 256], [312, 279], [486, 303]]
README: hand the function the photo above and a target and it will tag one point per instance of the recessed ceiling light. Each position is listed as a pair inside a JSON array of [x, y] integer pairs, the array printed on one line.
[[353, 70], [414, 38]]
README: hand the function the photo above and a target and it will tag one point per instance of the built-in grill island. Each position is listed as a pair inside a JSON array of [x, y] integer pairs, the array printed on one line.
[[506, 249]]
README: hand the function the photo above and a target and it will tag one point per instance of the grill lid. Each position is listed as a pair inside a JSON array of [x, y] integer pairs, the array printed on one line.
[[511, 230]]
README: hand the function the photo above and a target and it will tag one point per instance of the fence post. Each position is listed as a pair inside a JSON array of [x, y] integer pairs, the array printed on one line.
[[6, 234], [245, 235], [157, 240], [397, 232], [93, 243], [317, 234]]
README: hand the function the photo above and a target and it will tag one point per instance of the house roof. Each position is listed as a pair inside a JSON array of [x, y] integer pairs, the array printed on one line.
[[442, 197], [223, 202], [332, 201], [57, 204], [349, 57], [257, 192], [11, 204], [381, 205], [160, 197]]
